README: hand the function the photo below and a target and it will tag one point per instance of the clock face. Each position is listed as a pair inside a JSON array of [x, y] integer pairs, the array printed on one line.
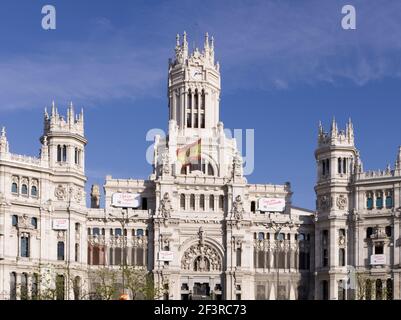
[[196, 74]]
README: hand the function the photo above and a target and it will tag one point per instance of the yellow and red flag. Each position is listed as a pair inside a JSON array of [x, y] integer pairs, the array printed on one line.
[[190, 154]]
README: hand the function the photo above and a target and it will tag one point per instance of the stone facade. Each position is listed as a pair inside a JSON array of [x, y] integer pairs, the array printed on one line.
[[199, 228], [357, 229]]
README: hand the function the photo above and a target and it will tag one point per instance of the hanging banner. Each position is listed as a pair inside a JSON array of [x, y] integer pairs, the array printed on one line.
[[272, 204], [126, 200]]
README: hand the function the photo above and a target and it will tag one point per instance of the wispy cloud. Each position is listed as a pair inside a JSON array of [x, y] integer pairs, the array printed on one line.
[[263, 44]]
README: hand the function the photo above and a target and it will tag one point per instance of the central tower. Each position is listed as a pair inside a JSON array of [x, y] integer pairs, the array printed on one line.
[[194, 87]]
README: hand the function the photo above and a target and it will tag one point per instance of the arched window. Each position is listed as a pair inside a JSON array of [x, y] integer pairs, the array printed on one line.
[[34, 223], [13, 286], [189, 110], [280, 237], [389, 289], [210, 171], [339, 165], [389, 231], [369, 232], [60, 287], [196, 109], [96, 232], [139, 233], [344, 165], [389, 200], [64, 153], [118, 232], [14, 220], [76, 252], [25, 246], [24, 189], [24, 286], [60, 251], [59, 153], [77, 155], [369, 201], [211, 202], [14, 187], [379, 200], [34, 191], [192, 202], [182, 201], [202, 202], [77, 227], [221, 203], [261, 236], [368, 289], [253, 206], [379, 289], [35, 286]]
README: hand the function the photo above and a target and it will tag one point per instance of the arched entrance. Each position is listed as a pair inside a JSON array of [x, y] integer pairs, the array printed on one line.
[[201, 274]]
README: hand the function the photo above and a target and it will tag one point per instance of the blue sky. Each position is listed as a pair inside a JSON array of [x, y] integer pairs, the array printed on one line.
[[285, 65]]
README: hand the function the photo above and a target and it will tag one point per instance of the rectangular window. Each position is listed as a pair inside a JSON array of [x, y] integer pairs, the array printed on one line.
[[341, 257], [379, 202], [379, 249], [139, 257], [261, 259], [25, 247], [389, 202], [60, 251], [202, 119], [325, 258], [369, 203], [239, 253], [325, 290], [189, 120]]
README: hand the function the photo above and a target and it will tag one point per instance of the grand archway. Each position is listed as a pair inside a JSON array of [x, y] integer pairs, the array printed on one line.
[[201, 275]]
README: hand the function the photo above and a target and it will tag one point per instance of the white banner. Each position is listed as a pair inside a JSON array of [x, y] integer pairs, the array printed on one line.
[[60, 224], [126, 200], [166, 256], [377, 259], [272, 204]]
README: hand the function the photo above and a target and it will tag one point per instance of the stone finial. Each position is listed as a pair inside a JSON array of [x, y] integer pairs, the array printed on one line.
[[95, 196]]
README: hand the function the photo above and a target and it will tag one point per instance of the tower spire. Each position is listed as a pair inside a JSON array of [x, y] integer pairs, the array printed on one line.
[[334, 128], [53, 109], [185, 45], [177, 40], [3, 141], [206, 41], [320, 128], [398, 161]]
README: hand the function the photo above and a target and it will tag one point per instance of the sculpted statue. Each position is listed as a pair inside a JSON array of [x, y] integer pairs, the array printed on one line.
[[237, 165], [166, 163], [238, 208], [165, 206]]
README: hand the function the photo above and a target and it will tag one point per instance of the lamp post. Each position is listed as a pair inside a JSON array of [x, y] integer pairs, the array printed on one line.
[[277, 227], [124, 220]]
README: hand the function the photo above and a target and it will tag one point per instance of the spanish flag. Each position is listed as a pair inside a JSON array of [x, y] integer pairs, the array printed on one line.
[[190, 154]]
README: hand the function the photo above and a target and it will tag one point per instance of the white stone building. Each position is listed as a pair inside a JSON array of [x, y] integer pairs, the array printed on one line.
[[202, 230], [357, 230]]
